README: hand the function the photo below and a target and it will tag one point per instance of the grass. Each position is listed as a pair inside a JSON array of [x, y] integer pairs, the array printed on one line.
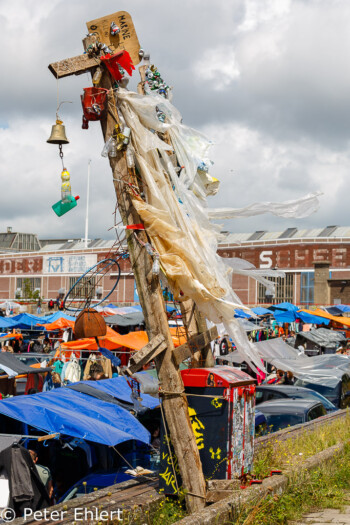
[[320, 488], [170, 511], [292, 452]]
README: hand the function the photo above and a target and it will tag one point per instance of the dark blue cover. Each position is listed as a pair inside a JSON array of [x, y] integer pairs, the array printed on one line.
[[71, 413], [119, 388]]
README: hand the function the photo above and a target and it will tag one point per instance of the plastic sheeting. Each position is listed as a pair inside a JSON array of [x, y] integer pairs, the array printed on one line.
[[175, 214], [326, 370], [297, 209], [243, 267], [129, 319], [71, 413], [345, 321], [343, 307], [118, 388], [6, 323], [312, 319], [14, 367], [323, 337]]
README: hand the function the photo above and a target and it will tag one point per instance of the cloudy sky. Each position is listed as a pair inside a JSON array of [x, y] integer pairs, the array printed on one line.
[[267, 80]]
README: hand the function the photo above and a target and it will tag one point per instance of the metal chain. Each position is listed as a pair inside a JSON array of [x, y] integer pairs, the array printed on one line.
[[61, 155]]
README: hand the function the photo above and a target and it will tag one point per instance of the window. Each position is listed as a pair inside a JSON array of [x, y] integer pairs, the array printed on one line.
[[272, 395], [279, 421], [284, 287], [307, 281], [316, 412], [86, 287], [28, 287]]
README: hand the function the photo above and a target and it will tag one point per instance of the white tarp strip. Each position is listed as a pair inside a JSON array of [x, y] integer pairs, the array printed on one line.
[[296, 209]]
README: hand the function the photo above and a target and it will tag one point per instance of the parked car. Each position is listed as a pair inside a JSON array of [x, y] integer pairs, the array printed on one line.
[[96, 480], [269, 392], [339, 394], [282, 413], [260, 423]]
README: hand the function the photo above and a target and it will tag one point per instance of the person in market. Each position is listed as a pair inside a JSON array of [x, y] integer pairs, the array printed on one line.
[[44, 473], [38, 306], [280, 377]]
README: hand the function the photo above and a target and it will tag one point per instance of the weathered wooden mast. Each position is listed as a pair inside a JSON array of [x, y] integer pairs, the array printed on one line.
[[150, 295]]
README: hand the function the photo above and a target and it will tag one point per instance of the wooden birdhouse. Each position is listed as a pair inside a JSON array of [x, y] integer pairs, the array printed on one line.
[[90, 323]]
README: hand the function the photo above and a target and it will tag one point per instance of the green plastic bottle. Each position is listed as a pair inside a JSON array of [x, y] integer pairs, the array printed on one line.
[[60, 207]]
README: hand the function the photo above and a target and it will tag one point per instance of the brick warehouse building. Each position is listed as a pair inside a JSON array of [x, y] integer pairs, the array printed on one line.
[[56, 266], [316, 263]]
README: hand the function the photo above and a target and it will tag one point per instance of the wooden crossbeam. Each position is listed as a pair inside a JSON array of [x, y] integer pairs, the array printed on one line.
[[155, 347], [194, 344], [73, 66]]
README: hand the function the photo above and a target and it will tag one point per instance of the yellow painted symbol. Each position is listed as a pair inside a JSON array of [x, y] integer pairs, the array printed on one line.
[[216, 403], [169, 478], [215, 455], [197, 427]]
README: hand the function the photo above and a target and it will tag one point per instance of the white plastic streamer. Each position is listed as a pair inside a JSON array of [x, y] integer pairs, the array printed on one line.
[[297, 209]]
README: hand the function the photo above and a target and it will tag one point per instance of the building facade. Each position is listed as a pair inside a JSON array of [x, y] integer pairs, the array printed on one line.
[[316, 264], [55, 268]]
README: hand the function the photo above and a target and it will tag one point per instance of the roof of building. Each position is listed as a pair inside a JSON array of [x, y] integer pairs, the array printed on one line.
[[289, 234], [77, 244]]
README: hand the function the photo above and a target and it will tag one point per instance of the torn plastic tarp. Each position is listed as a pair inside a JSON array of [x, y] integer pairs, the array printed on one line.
[[71, 413], [175, 215], [326, 370], [297, 209], [128, 319], [322, 337], [243, 267]]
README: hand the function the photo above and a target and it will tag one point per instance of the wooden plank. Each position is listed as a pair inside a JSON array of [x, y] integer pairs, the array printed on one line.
[[73, 66], [194, 344], [195, 324], [127, 38], [156, 346]]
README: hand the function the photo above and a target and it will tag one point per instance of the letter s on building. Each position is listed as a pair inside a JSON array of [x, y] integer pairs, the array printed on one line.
[[265, 259]]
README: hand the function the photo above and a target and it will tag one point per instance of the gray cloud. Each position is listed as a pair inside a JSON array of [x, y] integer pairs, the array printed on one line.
[[267, 80]]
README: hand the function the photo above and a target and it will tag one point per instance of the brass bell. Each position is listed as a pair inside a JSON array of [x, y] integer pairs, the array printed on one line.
[[58, 134]]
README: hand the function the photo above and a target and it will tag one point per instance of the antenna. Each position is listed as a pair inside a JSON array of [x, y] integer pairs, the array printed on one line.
[[87, 207]]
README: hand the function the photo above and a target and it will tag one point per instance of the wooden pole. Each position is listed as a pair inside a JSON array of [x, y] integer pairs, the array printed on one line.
[[153, 307]]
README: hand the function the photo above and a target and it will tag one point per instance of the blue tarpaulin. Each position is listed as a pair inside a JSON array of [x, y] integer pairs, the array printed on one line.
[[343, 307], [27, 321], [312, 319], [6, 323], [119, 388], [71, 413], [259, 310], [242, 314], [56, 315], [284, 312]]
